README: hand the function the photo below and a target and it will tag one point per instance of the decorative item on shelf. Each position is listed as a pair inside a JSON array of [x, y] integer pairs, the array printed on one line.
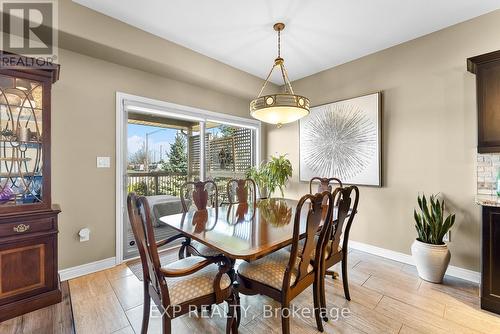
[[280, 108], [6, 195], [430, 253], [23, 134], [271, 175], [343, 139], [275, 211], [6, 133]]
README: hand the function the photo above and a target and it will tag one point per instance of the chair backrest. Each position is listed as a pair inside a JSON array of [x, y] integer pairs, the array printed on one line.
[[318, 214], [140, 220], [325, 183], [238, 190], [200, 192], [346, 201]]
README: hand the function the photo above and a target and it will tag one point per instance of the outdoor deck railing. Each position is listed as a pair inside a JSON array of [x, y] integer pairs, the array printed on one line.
[[155, 183], [165, 183]]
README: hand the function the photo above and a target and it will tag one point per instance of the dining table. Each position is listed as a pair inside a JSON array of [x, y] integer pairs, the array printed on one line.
[[243, 231]]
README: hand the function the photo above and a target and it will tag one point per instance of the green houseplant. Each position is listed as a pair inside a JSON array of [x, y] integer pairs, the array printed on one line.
[[430, 253], [261, 177], [271, 175], [280, 170]]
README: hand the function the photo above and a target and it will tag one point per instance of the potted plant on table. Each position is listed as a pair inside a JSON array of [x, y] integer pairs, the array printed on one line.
[[430, 253], [271, 175]]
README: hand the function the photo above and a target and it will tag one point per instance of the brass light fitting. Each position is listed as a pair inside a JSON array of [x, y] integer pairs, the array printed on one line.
[[280, 108]]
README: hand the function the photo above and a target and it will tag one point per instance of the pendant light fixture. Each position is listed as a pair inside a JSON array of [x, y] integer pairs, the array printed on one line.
[[280, 108]]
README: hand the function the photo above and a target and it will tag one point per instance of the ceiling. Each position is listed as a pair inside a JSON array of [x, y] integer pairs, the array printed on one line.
[[319, 34]]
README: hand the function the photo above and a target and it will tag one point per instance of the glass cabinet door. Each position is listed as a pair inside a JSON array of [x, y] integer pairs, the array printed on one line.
[[21, 144]]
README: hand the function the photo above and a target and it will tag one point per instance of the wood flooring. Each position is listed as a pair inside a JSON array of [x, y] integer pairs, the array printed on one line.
[[387, 297], [55, 319]]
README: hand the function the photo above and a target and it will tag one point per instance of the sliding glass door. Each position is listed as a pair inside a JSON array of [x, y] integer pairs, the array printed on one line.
[[166, 147]]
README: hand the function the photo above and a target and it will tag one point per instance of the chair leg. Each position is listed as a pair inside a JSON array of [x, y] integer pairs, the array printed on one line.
[[146, 309], [345, 280], [285, 317], [231, 321], [236, 323], [317, 305], [322, 297], [236, 293], [166, 324]]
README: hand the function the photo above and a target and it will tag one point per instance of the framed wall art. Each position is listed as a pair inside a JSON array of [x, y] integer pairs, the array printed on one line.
[[343, 139]]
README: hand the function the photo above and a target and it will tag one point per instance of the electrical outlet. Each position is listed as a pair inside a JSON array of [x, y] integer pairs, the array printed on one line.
[[84, 234], [447, 237], [103, 162]]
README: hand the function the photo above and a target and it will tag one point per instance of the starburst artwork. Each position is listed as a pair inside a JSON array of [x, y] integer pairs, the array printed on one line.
[[342, 139]]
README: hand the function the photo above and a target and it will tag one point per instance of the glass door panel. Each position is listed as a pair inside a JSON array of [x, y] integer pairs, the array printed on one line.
[[229, 154], [21, 140]]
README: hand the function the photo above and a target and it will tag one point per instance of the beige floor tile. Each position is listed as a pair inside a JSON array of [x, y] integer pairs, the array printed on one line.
[[119, 271], [408, 330], [129, 291], [362, 295], [416, 318], [89, 286], [392, 290], [100, 314], [470, 317], [134, 315], [126, 330]]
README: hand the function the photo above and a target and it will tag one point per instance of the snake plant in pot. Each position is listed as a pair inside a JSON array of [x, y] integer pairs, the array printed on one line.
[[429, 251]]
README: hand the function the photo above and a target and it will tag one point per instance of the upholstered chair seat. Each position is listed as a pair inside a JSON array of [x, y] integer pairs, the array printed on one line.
[[270, 270], [199, 284]]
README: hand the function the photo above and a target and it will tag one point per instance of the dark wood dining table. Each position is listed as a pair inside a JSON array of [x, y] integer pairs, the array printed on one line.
[[241, 231]]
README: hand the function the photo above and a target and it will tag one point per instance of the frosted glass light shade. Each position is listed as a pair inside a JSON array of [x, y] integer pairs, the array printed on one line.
[[279, 108]]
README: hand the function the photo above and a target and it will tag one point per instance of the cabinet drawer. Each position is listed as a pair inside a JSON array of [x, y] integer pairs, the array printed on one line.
[[22, 227]]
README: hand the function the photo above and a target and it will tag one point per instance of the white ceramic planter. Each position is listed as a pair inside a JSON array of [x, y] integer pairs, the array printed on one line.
[[431, 260]]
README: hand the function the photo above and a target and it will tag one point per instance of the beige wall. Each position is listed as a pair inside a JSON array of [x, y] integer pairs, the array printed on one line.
[[88, 32], [429, 132], [100, 56], [83, 127]]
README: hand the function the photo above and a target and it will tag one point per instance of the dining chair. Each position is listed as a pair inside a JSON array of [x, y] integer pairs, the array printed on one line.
[[201, 195], [179, 286], [283, 275], [239, 191], [325, 183], [346, 202]]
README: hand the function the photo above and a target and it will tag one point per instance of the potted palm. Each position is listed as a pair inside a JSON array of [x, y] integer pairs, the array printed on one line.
[[271, 175], [430, 253]]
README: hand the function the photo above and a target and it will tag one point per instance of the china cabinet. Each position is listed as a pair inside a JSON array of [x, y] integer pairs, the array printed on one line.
[[28, 219]]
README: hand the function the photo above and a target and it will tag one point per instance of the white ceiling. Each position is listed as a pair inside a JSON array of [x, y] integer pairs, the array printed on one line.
[[319, 34]]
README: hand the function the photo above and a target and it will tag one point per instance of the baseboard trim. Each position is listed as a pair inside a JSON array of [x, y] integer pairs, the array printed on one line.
[[466, 274], [87, 268]]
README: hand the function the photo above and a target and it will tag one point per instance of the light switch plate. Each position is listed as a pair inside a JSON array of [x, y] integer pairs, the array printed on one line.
[[103, 162]]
